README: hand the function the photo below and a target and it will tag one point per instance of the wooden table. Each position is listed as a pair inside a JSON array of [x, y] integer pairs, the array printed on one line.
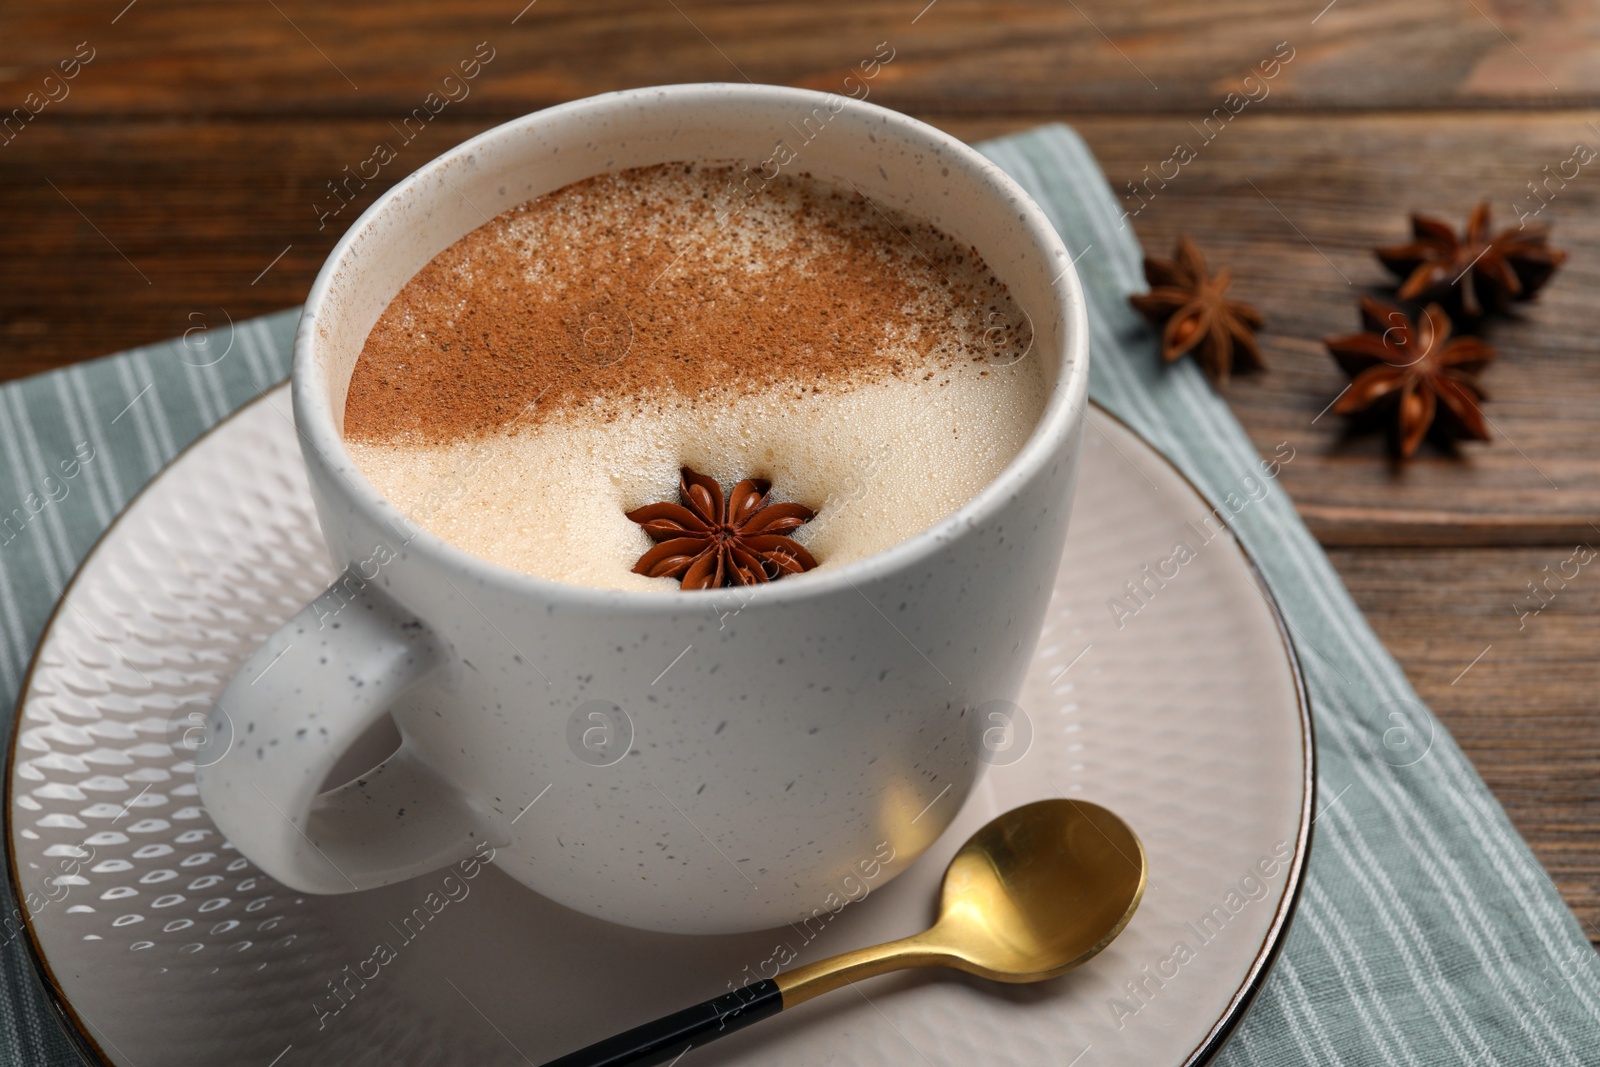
[[181, 173]]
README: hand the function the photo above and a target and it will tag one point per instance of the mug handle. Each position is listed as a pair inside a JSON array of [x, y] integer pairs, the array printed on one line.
[[282, 723]]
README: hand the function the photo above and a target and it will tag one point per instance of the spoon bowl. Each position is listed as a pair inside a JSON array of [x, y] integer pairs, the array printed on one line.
[[1039, 891], [1034, 893]]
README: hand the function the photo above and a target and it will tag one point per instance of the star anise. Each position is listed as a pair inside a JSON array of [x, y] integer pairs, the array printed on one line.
[[1199, 319], [1489, 272], [709, 541], [1417, 369]]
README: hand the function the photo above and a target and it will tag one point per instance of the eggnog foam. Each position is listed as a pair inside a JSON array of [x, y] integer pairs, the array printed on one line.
[[556, 368], [877, 464]]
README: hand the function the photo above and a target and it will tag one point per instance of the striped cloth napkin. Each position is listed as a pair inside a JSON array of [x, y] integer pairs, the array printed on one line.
[[1426, 934]]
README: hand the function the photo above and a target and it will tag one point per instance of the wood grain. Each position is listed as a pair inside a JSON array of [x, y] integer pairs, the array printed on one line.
[[195, 57], [119, 231], [1294, 206]]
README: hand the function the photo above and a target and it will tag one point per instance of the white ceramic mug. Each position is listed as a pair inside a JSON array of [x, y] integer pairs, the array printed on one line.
[[688, 761]]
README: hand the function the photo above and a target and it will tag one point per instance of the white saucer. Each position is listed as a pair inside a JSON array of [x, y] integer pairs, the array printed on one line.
[[164, 946]]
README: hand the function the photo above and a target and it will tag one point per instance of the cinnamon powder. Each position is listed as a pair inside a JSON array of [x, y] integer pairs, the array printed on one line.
[[662, 281]]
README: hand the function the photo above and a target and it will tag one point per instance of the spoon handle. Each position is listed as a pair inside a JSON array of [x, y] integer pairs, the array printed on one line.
[[675, 1034], [669, 1037]]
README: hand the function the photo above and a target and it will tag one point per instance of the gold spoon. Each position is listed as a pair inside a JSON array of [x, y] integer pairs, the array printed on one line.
[[1031, 895]]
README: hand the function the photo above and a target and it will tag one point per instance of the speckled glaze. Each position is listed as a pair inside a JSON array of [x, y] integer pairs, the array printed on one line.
[[797, 729]]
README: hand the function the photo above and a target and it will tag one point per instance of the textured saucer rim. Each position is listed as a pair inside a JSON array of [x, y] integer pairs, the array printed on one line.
[[1277, 933], [77, 1030]]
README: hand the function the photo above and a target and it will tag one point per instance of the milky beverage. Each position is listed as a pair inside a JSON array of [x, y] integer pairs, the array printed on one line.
[[555, 368]]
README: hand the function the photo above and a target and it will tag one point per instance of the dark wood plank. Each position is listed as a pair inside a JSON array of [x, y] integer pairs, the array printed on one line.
[[1294, 206], [195, 57], [118, 232], [1527, 712]]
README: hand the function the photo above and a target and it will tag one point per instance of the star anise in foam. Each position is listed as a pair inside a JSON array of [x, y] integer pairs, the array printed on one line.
[[1417, 369], [1488, 272], [708, 542], [1199, 319]]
